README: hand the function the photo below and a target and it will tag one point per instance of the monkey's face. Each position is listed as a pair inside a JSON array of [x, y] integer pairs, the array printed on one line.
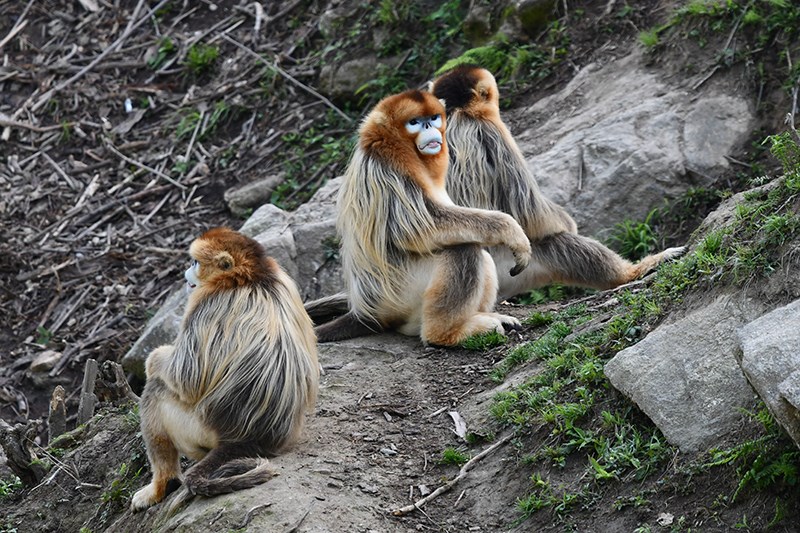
[[427, 132], [192, 277]]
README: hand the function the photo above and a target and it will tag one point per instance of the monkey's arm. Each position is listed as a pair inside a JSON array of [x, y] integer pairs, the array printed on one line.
[[460, 225]]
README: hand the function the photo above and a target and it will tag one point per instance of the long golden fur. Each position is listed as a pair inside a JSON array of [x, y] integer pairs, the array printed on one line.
[[235, 386], [488, 171], [413, 260]]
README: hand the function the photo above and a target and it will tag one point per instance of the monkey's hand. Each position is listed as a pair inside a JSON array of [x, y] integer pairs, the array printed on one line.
[[521, 248], [522, 255]]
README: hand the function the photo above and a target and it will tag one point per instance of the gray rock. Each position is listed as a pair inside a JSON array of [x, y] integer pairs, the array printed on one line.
[[770, 359], [264, 219], [162, 329], [684, 375], [618, 140], [243, 199], [340, 82]]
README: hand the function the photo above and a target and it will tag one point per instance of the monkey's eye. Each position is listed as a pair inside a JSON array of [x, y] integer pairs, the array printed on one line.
[[436, 121], [414, 125]]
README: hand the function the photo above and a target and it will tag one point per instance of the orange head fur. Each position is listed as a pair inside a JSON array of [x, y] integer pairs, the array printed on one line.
[[383, 134], [470, 89], [226, 259]]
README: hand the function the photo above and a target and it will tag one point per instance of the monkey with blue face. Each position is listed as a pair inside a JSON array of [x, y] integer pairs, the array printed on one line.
[[413, 260]]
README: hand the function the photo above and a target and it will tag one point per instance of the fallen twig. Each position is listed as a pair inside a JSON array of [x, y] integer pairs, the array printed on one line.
[[469, 465], [132, 25], [288, 76], [143, 166]]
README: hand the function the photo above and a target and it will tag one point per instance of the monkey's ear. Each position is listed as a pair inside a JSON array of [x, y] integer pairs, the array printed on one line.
[[483, 89], [427, 87], [444, 104], [224, 261]]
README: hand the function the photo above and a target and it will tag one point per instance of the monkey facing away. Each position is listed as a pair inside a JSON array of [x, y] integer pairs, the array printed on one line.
[[488, 171], [412, 259], [235, 386]]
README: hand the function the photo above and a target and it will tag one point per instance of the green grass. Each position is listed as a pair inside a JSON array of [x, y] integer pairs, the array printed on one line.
[[635, 240], [121, 487], [452, 456], [200, 58], [9, 487], [765, 461], [484, 341]]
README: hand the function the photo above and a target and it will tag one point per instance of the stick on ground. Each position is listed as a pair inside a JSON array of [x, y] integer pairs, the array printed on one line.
[[453, 482]]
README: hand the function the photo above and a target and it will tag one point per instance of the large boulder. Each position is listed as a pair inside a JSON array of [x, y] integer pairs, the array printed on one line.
[[619, 139], [770, 358], [684, 375]]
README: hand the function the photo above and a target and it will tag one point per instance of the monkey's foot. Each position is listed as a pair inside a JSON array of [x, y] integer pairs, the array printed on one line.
[[487, 322], [509, 322], [672, 253], [145, 497]]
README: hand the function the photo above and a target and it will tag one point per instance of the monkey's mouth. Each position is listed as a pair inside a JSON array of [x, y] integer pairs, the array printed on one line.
[[432, 147], [190, 286]]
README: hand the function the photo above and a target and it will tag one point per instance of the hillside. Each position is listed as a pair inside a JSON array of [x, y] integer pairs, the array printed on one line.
[[125, 131]]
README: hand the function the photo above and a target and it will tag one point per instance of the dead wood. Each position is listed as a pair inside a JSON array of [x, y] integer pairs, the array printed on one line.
[[18, 444]]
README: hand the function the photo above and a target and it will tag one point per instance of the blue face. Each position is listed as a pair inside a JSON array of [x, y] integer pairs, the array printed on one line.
[[428, 133], [192, 281]]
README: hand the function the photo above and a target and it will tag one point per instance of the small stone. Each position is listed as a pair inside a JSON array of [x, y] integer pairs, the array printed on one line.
[[388, 452], [45, 361]]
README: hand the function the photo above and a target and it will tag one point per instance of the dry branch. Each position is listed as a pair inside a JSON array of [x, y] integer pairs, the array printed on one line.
[[469, 465]]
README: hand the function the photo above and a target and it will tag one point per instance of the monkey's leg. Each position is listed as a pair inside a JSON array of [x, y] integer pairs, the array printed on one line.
[[228, 468], [161, 450], [576, 260], [458, 293]]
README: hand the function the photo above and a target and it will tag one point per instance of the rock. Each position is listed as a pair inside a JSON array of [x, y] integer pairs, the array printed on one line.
[[243, 199], [161, 329], [684, 377], [534, 15], [314, 226], [632, 138], [264, 219], [476, 26], [340, 82], [770, 358], [45, 361]]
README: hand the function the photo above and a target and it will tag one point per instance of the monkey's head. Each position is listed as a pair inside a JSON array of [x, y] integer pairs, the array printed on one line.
[[225, 259], [470, 89], [404, 128]]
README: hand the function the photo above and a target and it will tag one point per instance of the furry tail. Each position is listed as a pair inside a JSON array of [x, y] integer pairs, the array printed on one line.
[[228, 468], [327, 308], [347, 326], [573, 259], [238, 474]]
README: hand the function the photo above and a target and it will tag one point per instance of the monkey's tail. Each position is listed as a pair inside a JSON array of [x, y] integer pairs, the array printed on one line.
[[227, 468], [238, 474], [328, 307], [347, 326]]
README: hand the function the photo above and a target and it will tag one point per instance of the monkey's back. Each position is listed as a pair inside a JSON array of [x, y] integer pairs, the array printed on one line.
[[253, 362]]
